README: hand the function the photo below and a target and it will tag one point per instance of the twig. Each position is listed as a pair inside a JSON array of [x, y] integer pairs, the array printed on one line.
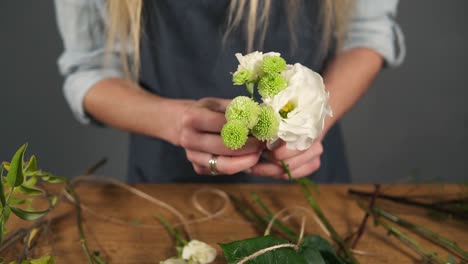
[[362, 226], [407, 201], [92, 258], [79, 221], [436, 238], [96, 166], [335, 236]]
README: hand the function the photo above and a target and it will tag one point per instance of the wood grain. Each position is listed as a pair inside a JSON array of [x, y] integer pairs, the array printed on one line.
[[143, 240]]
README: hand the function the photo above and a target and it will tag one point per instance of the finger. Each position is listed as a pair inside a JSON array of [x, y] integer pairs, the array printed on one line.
[[224, 165], [214, 104], [267, 169], [274, 145], [283, 153], [307, 156], [212, 143], [203, 119], [304, 170]]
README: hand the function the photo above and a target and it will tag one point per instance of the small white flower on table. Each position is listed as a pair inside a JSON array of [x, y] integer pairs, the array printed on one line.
[[173, 261], [198, 252]]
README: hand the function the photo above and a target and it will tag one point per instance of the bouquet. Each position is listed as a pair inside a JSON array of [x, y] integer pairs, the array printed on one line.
[[292, 108], [293, 105]]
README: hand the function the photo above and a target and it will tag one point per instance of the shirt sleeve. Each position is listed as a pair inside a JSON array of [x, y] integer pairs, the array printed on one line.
[[373, 26], [81, 25]]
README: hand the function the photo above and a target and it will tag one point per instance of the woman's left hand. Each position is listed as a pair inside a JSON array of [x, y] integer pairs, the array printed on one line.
[[301, 163]]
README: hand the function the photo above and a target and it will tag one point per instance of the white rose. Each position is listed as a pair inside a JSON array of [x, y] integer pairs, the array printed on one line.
[[303, 104], [198, 252], [173, 261], [253, 62]]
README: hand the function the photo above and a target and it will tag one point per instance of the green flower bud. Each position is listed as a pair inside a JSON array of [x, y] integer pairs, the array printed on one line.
[[241, 77], [234, 134], [273, 64], [267, 125], [244, 109], [271, 84]]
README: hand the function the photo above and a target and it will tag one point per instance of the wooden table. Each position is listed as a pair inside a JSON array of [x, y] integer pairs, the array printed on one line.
[[143, 240]]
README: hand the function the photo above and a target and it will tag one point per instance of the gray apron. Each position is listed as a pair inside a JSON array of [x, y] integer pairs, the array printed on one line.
[[183, 56]]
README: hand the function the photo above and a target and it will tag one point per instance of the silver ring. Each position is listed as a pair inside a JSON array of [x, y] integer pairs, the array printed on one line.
[[212, 162]]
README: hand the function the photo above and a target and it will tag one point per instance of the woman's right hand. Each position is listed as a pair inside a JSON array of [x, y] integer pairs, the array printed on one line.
[[199, 134]]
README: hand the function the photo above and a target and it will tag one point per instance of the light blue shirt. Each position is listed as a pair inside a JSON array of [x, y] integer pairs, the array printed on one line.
[[82, 27]]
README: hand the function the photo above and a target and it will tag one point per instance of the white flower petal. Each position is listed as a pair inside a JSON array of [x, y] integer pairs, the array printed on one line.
[[304, 124], [199, 252]]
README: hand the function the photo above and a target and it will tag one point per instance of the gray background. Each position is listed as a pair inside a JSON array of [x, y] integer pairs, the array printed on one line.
[[411, 126]]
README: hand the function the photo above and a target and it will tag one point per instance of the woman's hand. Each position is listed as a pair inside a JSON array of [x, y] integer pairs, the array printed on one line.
[[301, 163], [199, 135]]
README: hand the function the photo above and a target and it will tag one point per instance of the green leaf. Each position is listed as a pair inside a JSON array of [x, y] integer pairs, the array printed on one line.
[[316, 249], [53, 179], [14, 200], [34, 233], [15, 175], [236, 251], [29, 191], [30, 181], [6, 215], [43, 260], [53, 199], [6, 165], [2, 191], [32, 164], [28, 215], [250, 88], [3, 220], [2, 225]]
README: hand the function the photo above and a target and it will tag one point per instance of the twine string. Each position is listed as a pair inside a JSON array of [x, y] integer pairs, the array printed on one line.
[[208, 215]]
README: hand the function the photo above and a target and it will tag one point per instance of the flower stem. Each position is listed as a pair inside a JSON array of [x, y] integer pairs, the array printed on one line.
[[421, 250], [407, 201], [172, 230], [287, 170], [442, 241], [318, 211], [290, 233], [427, 255], [247, 212]]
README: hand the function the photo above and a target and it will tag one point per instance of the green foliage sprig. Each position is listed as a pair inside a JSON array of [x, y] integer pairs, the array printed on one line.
[[20, 186]]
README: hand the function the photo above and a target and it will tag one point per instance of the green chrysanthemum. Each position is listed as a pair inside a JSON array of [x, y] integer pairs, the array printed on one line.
[[242, 77], [271, 84], [234, 134], [244, 109], [267, 125], [273, 64]]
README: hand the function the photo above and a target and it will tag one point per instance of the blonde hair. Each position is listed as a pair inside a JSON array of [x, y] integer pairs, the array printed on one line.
[[124, 24]]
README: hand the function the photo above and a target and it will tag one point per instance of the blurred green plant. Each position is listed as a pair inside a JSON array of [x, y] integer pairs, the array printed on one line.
[[18, 187]]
